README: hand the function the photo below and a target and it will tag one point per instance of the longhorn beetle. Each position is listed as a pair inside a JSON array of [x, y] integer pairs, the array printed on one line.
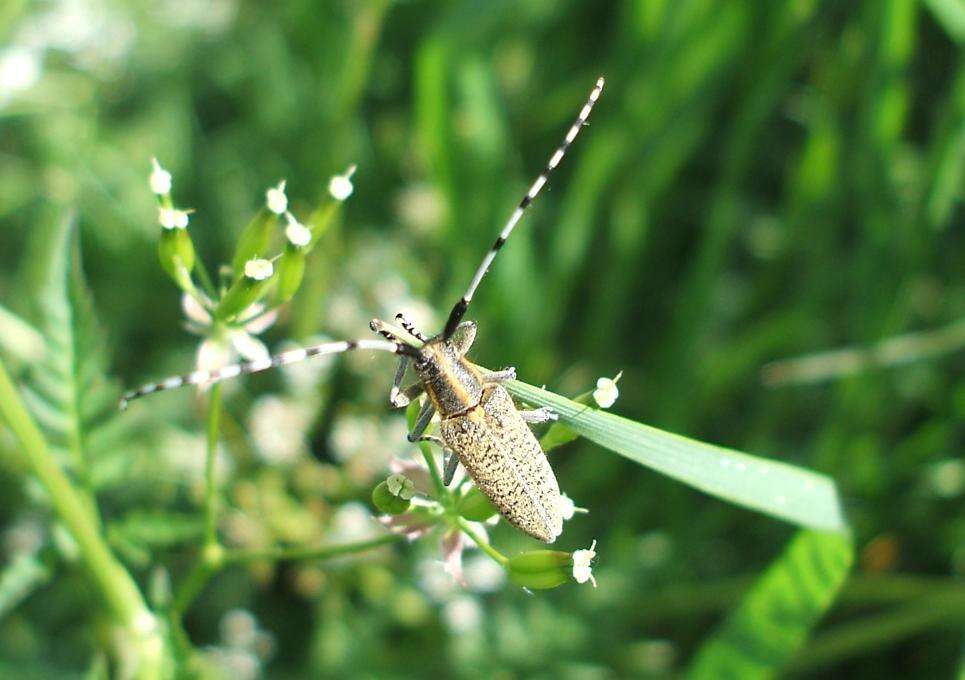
[[480, 425]]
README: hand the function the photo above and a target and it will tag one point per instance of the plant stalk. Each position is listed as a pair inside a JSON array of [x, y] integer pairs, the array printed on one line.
[[118, 589]]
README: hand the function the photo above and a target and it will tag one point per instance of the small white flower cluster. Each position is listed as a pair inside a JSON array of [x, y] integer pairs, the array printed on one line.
[[339, 186], [583, 564], [259, 269], [160, 182], [606, 392]]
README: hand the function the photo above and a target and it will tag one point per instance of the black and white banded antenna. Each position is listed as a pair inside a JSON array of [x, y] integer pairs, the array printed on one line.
[[459, 310], [202, 377]]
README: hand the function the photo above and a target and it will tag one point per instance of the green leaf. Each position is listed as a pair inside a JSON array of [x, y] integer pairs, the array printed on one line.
[[158, 529], [778, 489], [19, 579], [18, 338], [950, 14], [773, 620], [67, 390]]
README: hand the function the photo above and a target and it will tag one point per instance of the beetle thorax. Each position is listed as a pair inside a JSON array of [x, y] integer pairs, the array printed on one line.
[[452, 383]]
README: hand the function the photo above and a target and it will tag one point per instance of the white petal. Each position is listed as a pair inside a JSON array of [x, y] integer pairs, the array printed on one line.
[[212, 355], [259, 269], [194, 310], [252, 349], [261, 322]]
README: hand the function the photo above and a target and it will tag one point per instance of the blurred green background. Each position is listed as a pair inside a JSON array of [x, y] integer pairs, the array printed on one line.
[[760, 180]]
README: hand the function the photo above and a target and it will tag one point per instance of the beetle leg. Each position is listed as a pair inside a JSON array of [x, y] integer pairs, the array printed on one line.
[[500, 376], [410, 327], [539, 415], [425, 415], [395, 396], [450, 461], [449, 465]]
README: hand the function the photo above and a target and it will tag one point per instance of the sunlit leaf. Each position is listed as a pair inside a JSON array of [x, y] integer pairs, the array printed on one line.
[[791, 493], [773, 620]]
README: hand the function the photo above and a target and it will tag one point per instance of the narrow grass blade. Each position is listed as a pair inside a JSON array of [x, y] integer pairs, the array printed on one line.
[[794, 494], [772, 622]]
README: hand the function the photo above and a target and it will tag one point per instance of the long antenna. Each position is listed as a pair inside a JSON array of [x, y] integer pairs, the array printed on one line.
[[459, 310], [289, 357]]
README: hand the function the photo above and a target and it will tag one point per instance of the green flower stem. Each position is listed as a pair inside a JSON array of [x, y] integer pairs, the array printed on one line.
[[210, 483], [483, 545], [320, 552], [205, 278], [211, 561], [441, 492], [115, 584]]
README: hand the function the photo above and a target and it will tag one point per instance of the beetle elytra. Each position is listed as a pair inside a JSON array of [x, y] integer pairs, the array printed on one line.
[[480, 425]]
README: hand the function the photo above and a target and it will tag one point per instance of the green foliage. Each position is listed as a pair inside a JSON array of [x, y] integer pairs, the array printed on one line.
[[68, 391], [794, 494], [771, 624], [20, 578], [760, 181]]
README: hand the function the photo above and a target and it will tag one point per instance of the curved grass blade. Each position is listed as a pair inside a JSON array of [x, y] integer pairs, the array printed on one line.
[[790, 493], [772, 622]]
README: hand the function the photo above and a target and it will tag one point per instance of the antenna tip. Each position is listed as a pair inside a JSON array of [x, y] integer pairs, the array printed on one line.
[[600, 82]]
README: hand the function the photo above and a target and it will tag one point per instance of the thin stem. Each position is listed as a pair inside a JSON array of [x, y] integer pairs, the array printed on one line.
[[320, 552], [211, 561], [210, 483], [206, 282], [441, 492], [115, 584], [483, 545]]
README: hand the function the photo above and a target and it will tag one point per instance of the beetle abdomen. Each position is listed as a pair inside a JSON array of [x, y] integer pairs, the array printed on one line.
[[502, 456]]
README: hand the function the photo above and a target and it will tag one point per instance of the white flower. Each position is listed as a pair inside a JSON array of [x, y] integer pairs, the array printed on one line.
[[568, 508], [220, 347], [583, 565], [259, 269], [340, 186], [606, 391], [296, 232], [172, 218], [276, 200], [160, 179]]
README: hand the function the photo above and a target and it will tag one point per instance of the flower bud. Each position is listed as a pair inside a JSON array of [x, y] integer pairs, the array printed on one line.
[[276, 200], [340, 186], [176, 254], [541, 569], [475, 506], [247, 290], [393, 496], [291, 271], [606, 391], [254, 240]]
